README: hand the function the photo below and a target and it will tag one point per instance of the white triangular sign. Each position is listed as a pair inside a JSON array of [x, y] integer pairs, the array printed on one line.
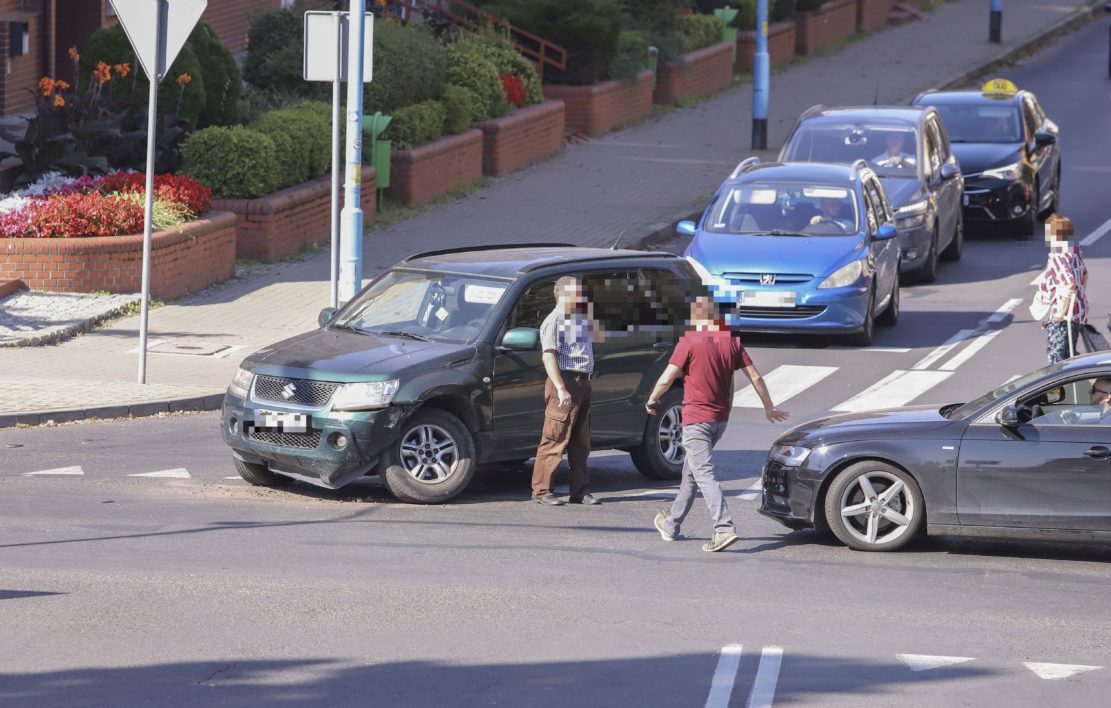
[[176, 473], [1053, 672], [925, 662], [143, 21]]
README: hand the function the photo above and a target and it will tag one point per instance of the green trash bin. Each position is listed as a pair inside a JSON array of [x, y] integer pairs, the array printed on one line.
[[373, 127], [728, 33]]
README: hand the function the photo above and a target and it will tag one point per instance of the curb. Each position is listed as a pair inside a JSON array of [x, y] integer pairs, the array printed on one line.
[[662, 233], [211, 402], [55, 335]]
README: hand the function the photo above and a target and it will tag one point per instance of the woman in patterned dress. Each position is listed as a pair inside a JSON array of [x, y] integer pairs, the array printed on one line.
[[1064, 279]]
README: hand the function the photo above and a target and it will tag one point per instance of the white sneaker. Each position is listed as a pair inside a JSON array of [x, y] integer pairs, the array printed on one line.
[[661, 517]]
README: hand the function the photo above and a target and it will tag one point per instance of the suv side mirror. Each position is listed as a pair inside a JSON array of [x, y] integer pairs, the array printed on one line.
[[949, 171], [1008, 417], [326, 316], [1043, 139], [521, 339], [685, 228], [885, 231]]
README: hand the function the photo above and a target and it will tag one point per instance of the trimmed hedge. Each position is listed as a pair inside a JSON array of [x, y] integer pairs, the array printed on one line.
[[410, 66], [222, 81], [417, 124], [632, 56], [234, 162], [459, 108], [303, 142], [471, 65], [698, 31]]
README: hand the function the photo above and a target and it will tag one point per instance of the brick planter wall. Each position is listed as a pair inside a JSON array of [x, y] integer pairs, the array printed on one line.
[[597, 109], [781, 47], [514, 142], [272, 227], [429, 171], [872, 15], [702, 72], [832, 22], [184, 260]]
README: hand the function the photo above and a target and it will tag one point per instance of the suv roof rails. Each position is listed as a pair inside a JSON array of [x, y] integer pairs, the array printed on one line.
[[662, 255], [817, 108], [744, 165], [486, 247]]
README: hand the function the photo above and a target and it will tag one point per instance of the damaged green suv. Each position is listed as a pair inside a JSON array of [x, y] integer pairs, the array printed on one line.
[[434, 368]]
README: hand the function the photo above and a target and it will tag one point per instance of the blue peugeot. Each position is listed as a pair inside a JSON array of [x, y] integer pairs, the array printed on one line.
[[800, 248]]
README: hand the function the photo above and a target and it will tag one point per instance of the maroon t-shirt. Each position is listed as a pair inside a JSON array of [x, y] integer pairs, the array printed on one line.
[[708, 360]]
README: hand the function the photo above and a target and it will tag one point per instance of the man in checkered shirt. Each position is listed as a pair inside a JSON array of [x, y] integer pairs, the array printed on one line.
[[566, 338]]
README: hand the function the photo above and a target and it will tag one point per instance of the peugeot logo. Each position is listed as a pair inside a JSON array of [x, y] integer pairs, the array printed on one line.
[[767, 279], [288, 390]]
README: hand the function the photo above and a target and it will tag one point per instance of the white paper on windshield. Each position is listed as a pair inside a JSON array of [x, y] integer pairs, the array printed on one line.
[[482, 294], [762, 196], [825, 192]]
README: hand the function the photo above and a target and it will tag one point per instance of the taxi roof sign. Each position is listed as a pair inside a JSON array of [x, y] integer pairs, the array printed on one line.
[[1000, 87]]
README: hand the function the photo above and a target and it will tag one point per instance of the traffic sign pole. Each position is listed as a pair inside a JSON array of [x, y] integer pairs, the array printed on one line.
[[761, 78], [995, 24], [337, 24], [351, 265]]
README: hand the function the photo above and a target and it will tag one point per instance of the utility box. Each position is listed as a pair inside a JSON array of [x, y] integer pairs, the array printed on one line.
[[373, 128]]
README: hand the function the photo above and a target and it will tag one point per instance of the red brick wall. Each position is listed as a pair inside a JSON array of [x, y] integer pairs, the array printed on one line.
[[530, 135], [781, 47], [702, 72], [832, 22], [183, 260], [872, 15], [232, 19], [74, 23], [429, 171], [26, 70], [272, 227], [598, 109]]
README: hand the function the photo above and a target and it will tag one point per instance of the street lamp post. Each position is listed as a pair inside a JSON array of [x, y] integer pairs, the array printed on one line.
[[761, 77], [351, 239], [995, 25]]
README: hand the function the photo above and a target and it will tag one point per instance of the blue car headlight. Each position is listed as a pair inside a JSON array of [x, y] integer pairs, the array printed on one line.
[[790, 455], [844, 276]]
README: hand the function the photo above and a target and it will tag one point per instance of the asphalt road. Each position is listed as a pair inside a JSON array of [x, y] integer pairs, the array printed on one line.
[[188, 588]]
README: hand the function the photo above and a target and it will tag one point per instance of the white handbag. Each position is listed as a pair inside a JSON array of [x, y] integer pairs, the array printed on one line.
[[1039, 306]]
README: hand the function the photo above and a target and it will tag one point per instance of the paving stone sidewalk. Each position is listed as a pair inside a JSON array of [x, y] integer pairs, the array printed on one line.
[[640, 179]]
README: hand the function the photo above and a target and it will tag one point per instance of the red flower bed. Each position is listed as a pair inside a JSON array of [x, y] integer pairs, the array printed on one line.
[[514, 89], [85, 215], [186, 191]]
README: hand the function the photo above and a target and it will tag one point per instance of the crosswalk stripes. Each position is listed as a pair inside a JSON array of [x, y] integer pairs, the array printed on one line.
[[896, 389], [721, 685], [784, 382], [767, 676]]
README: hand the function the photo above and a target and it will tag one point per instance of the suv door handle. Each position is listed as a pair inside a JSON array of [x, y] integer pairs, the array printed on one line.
[[661, 345], [1098, 452]]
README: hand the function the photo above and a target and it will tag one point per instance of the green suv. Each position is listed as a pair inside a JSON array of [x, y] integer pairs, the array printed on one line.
[[434, 368]]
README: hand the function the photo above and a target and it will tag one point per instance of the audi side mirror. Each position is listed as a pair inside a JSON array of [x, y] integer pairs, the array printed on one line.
[[326, 316], [1008, 417]]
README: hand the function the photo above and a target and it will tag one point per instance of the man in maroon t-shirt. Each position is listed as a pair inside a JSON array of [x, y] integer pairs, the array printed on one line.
[[706, 357]]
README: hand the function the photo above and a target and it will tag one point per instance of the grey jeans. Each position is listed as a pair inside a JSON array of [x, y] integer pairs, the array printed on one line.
[[698, 475]]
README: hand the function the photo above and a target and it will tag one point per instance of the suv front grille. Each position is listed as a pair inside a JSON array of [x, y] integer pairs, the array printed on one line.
[[304, 391], [305, 441]]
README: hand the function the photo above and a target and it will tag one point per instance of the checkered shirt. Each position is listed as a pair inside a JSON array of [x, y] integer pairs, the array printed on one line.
[[570, 338]]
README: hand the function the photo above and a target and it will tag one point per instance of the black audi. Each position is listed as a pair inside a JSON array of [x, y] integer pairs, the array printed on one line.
[[1008, 151], [1031, 458]]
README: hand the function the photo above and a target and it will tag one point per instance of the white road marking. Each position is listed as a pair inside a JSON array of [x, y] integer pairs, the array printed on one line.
[[176, 473], [1097, 234], [151, 344], [753, 490], [943, 349], [896, 389], [882, 350], [1007, 308], [970, 351], [1054, 672], [925, 662], [663, 493], [229, 351], [56, 471], [767, 676], [721, 686], [786, 381]]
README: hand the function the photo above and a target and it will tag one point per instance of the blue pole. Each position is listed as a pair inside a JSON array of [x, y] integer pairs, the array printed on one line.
[[995, 24], [351, 237], [761, 78]]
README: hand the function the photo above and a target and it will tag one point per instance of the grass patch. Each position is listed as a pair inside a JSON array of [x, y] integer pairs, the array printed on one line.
[[394, 212]]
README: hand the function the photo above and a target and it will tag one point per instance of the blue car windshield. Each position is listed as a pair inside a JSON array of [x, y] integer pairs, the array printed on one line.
[[784, 209], [890, 150], [986, 123]]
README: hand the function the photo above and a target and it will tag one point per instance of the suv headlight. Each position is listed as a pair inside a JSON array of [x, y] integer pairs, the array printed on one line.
[[1009, 172], [790, 455], [241, 383], [912, 215], [364, 396], [843, 276]]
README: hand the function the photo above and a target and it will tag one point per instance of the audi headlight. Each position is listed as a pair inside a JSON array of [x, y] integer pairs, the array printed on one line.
[[844, 276], [1009, 172], [241, 383], [912, 215], [364, 396], [790, 455]]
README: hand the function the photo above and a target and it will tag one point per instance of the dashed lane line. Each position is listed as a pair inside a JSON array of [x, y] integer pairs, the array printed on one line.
[[970, 351], [785, 381], [176, 473], [767, 676], [1097, 234], [1007, 308], [1055, 672], [940, 351], [75, 470], [721, 686]]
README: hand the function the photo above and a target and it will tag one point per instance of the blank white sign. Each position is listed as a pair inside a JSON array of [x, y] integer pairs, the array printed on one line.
[[323, 47]]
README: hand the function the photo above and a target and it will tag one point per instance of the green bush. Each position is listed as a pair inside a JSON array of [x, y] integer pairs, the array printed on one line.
[[459, 108], [222, 82], [746, 14], [302, 140], [510, 61], [409, 67], [235, 162], [471, 65], [275, 52], [808, 5], [632, 56], [783, 11], [417, 124], [588, 29], [698, 31], [660, 19]]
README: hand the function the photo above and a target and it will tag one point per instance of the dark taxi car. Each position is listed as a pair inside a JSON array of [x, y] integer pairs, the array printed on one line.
[[908, 149], [1008, 151], [1030, 459], [435, 368]]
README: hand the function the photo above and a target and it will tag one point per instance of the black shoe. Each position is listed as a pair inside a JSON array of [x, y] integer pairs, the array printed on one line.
[[549, 500], [584, 499]]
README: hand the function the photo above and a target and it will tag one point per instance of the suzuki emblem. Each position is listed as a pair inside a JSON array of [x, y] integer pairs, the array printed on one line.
[[767, 279], [288, 390]]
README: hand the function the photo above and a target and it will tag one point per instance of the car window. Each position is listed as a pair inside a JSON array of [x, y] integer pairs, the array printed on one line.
[[666, 306], [982, 123], [870, 213], [940, 139], [933, 159], [1068, 403], [537, 303], [617, 298], [784, 209], [890, 149], [882, 201], [882, 216], [1032, 123]]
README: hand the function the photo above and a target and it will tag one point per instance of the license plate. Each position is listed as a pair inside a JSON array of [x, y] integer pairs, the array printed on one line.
[[965, 199], [767, 298], [282, 421]]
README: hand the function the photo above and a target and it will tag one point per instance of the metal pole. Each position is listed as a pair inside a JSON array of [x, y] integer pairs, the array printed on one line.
[[337, 26], [995, 25], [1109, 45], [351, 265], [761, 78], [160, 13]]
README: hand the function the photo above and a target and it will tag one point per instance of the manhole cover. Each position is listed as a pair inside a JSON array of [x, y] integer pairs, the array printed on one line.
[[190, 347]]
